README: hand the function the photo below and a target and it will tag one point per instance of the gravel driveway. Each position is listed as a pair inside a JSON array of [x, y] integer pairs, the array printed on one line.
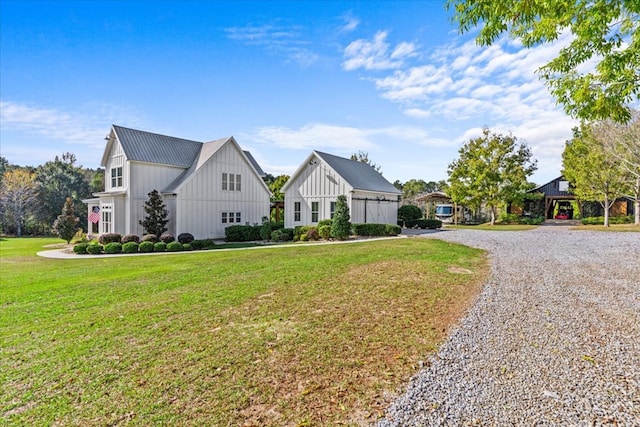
[[553, 339]]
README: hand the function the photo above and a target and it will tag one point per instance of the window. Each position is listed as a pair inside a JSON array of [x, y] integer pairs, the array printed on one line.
[[314, 211], [224, 217], [238, 217], [107, 219], [296, 211], [333, 209], [231, 216], [563, 185], [231, 182], [116, 177]]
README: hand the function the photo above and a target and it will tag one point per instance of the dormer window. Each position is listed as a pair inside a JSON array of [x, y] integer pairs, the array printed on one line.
[[116, 177]]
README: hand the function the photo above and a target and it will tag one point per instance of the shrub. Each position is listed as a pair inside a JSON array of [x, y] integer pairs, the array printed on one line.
[[109, 238], [287, 234], [341, 225], [145, 247], [431, 224], [369, 229], [534, 221], [202, 244], [113, 248], [392, 229], [167, 238], [94, 249], [299, 231], [265, 230], [324, 231], [187, 247], [130, 238], [507, 218], [174, 247], [130, 248], [409, 213], [312, 234], [159, 247], [328, 222], [242, 233], [80, 248], [150, 238], [185, 238], [276, 235]]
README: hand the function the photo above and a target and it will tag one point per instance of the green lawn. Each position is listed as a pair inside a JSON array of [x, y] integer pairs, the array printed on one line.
[[298, 335], [612, 227]]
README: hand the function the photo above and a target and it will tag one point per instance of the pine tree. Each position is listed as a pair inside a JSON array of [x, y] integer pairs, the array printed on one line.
[[66, 225], [156, 214], [341, 227]]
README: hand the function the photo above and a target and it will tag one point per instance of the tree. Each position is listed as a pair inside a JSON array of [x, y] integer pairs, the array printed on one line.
[[408, 213], [66, 225], [155, 220], [18, 198], [60, 179], [491, 169], [276, 185], [594, 174], [622, 141], [341, 227], [363, 157], [604, 33]]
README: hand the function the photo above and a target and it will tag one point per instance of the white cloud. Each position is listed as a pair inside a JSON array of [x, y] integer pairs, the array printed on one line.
[[375, 54], [350, 24]]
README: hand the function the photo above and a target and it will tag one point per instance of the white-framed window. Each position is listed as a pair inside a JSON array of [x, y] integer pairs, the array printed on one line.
[[232, 185], [238, 180], [224, 217], [116, 177], [238, 217], [107, 218], [296, 211], [225, 180], [315, 207], [231, 182], [333, 209]]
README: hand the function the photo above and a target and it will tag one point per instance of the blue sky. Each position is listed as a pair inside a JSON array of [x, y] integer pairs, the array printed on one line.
[[391, 78]]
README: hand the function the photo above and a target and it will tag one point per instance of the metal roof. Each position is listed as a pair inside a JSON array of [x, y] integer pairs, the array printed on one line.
[[255, 164], [359, 175], [154, 148]]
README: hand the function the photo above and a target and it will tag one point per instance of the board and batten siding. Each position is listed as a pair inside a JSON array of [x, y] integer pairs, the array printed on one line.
[[376, 208], [201, 199], [316, 183]]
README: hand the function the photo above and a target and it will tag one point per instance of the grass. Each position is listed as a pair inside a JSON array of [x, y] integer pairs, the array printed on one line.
[[612, 227], [302, 335]]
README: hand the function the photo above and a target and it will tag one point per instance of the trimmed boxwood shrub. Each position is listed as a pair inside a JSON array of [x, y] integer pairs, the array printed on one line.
[[324, 231], [150, 238], [369, 229], [174, 247], [94, 249], [130, 248], [242, 233], [167, 238], [145, 247], [408, 213], [159, 247], [80, 248], [265, 230], [392, 229], [109, 238], [287, 234], [113, 248], [185, 238], [187, 247], [130, 238], [431, 224]]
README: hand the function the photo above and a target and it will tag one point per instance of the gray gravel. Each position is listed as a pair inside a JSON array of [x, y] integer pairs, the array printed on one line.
[[553, 339]]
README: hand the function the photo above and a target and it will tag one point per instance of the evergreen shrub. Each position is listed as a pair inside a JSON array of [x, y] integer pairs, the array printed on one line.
[[242, 233], [392, 229], [299, 231], [159, 247], [187, 247], [312, 234], [150, 238], [185, 238], [324, 231], [80, 248], [145, 247], [94, 249], [130, 248], [113, 248], [174, 246]]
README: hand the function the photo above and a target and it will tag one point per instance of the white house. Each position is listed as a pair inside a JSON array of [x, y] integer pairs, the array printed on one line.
[[205, 186], [311, 192]]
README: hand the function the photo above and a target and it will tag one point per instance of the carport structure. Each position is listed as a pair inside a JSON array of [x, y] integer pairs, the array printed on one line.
[[555, 191]]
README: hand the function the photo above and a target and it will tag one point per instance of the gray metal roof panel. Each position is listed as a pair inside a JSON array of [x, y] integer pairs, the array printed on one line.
[[254, 163], [360, 176], [155, 148]]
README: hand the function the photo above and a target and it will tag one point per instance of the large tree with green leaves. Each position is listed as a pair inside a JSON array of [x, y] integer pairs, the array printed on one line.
[[595, 175], [18, 199], [492, 169], [604, 33]]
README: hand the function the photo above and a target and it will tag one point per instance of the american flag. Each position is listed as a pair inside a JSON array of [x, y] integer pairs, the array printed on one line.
[[94, 217]]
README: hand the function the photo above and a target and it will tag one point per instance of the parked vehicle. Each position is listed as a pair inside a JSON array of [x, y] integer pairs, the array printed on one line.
[[444, 212]]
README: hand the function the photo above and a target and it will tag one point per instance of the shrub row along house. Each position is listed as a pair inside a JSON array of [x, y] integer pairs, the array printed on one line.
[[208, 186]]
